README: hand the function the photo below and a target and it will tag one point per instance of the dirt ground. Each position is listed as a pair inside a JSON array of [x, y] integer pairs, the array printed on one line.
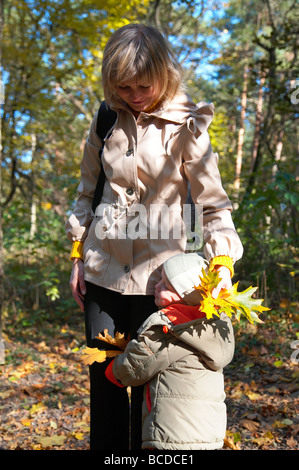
[[44, 388]]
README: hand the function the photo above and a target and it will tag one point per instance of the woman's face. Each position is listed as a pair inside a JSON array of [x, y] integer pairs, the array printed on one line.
[[138, 95]]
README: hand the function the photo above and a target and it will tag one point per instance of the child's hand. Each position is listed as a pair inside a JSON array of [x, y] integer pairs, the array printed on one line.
[[225, 283]]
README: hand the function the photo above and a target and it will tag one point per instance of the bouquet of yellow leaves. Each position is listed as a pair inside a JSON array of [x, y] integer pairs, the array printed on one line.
[[229, 301], [92, 355]]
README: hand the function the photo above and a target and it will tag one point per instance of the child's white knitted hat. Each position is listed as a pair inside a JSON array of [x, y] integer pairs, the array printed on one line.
[[183, 271]]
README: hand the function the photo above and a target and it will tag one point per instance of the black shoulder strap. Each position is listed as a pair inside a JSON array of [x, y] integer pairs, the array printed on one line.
[[106, 120]]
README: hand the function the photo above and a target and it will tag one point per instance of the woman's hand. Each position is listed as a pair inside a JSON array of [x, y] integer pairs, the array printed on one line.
[[225, 282], [77, 283]]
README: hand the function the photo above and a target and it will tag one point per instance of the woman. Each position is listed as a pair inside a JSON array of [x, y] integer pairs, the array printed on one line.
[[157, 146]]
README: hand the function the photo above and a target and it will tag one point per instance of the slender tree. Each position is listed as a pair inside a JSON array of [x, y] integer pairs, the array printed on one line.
[[241, 129], [1, 230]]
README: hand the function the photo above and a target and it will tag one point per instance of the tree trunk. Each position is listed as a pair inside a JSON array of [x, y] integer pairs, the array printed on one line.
[[33, 202], [278, 152], [258, 121], [267, 120], [241, 130], [264, 139], [2, 354]]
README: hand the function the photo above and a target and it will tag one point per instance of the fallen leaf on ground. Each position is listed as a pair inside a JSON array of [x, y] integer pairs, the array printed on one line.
[[249, 424], [36, 408], [266, 439], [51, 441], [229, 442]]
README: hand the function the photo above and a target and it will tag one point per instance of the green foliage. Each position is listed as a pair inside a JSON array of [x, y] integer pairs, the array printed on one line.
[[268, 226], [51, 58], [36, 269]]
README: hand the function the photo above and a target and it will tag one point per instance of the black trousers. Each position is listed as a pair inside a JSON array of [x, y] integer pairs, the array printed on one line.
[[112, 417]]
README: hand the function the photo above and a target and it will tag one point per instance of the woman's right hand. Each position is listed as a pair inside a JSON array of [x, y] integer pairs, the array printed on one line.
[[77, 283]]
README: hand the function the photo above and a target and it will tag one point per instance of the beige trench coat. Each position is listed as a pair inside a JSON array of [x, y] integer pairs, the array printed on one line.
[[148, 163]]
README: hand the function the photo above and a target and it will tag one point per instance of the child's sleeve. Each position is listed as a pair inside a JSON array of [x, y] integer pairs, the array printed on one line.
[[144, 357], [137, 363]]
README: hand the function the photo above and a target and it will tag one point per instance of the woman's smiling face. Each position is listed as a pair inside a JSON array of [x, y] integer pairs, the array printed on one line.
[[138, 95]]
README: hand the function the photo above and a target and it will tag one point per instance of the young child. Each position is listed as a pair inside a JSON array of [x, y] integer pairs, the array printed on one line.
[[180, 356]]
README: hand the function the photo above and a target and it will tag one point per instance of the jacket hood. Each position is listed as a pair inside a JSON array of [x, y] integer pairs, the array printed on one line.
[[190, 325], [186, 322], [183, 110]]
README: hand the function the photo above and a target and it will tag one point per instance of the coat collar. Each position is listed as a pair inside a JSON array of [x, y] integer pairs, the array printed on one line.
[[181, 313], [182, 110]]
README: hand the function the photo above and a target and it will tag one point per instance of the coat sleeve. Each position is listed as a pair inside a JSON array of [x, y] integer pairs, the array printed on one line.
[[201, 169], [145, 357], [78, 223]]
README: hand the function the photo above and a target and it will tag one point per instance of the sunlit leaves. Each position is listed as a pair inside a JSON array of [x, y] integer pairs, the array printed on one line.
[[120, 341], [91, 355], [229, 301], [54, 440]]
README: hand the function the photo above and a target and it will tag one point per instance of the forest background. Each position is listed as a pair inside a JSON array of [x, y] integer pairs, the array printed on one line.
[[240, 55]]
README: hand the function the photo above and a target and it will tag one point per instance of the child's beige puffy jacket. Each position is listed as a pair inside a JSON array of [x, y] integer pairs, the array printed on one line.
[[181, 361]]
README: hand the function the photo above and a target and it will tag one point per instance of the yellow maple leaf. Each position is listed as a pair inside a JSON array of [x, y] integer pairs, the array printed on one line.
[[26, 422], [119, 339], [51, 441], [229, 301], [92, 355], [36, 408], [242, 303], [207, 307], [208, 281]]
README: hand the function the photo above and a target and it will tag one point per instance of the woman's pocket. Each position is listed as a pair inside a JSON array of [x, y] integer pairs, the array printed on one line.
[[96, 257]]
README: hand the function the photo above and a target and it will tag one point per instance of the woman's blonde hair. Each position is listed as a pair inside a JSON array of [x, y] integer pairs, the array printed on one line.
[[141, 52]]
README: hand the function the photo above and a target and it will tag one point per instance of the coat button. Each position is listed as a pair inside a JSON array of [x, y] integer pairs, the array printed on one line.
[[129, 152], [126, 268], [130, 191]]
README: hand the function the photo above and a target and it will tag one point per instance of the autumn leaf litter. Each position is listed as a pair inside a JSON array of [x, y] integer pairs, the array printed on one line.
[[44, 387]]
